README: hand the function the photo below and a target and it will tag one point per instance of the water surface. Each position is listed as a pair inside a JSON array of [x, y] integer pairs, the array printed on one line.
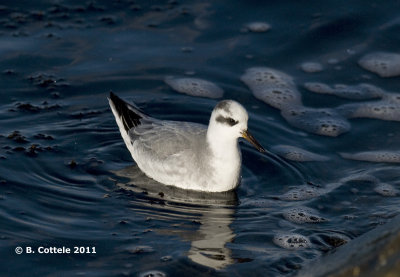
[[66, 178]]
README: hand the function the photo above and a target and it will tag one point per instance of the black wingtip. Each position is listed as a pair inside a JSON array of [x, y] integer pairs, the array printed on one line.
[[114, 97], [126, 112]]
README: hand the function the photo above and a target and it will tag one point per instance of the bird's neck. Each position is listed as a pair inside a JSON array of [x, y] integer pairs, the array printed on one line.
[[226, 160], [222, 146]]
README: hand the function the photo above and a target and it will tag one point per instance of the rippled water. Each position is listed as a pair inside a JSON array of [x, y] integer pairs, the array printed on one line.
[[66, 178]]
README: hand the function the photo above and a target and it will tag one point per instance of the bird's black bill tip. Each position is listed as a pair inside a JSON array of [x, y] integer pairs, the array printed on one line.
[[247, 136]]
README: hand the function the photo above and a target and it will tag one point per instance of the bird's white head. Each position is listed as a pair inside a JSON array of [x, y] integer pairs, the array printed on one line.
[[229, 122]]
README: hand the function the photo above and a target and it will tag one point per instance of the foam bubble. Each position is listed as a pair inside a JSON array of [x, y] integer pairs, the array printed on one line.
[[195, 87], [393, 98], [374, 156], [292, 241], [311, 67], [297, 154], [152, 273], [326, 122], [355, 92], [272, 86], [258, 27], [302, 215], [358, 92], [361, 178], [318, 88], [385, 189], [386, 109], [140, 249], [382, 63], [301, 193]]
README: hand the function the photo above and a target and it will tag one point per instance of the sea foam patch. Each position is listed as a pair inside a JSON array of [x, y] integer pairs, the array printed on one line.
[[361, 178], [195, 87], [311, 67], [258, 27], [274, 87], [385, 189], [354, 92], [292, 241], [302, 193], [384, 64], [152, 273], [297, 154], [386, 109], [302, 215], [374, 156], [326, 122]]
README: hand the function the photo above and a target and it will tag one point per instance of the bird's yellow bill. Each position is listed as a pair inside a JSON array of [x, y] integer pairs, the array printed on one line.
[[247, 136]]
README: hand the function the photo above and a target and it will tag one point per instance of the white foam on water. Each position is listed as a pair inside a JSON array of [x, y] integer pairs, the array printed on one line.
[[273, 87], [319, 88], [258, 27], [386, 109], [309, 191], [385, 189], [384, 64], [292, 241], [383, 110], [393, 98], [297, 154], [361, 178], [325, 122], [302, 193], [354, 92], [374, 156], [152, 273], [302, 215], [195, 87], [311, 67]]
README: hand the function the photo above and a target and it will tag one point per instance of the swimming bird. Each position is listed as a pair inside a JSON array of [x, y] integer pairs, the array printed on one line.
[[185, 154]]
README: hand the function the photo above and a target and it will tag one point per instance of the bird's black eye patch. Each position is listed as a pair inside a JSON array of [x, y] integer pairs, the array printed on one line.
[[226, 120]]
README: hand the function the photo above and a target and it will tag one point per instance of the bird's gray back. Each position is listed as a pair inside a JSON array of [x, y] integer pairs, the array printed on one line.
[[162, 140], [171, 152]]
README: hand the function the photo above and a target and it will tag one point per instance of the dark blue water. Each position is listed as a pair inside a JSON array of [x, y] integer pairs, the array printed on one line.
[[66, 178]]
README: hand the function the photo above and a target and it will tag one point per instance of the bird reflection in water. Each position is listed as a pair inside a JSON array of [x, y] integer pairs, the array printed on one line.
[[213, 211]]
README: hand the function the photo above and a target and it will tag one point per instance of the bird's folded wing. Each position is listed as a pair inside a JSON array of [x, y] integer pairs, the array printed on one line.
[[161, 140]]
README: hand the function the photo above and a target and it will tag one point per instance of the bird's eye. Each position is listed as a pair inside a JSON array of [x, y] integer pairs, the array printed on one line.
[[232, 122], [226, 120]]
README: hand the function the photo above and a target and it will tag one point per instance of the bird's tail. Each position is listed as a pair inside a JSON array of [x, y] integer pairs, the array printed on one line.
[[127, 115]]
